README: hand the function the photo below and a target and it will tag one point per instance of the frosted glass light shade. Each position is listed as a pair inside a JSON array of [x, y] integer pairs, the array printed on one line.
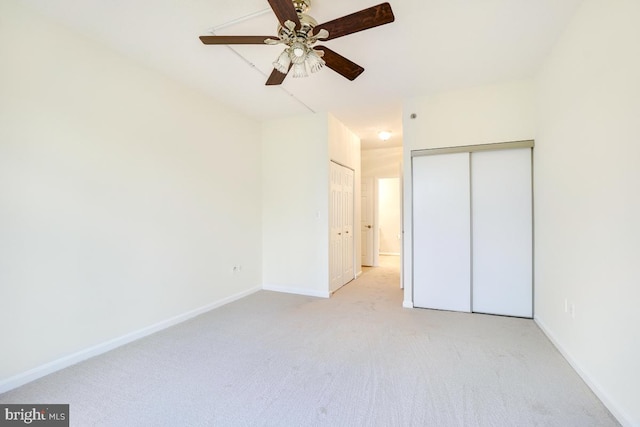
[[282, 63], [299, 70], [300, 56], [298, 52], [314, 61]]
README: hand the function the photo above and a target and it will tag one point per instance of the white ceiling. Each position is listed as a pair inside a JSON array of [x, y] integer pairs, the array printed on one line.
[[433, 46]]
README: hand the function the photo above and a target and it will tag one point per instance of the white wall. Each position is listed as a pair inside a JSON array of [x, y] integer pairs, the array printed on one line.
[[481, 115], [587, 200], [125, 199], [382, 162], [295, 199], [344, 145]]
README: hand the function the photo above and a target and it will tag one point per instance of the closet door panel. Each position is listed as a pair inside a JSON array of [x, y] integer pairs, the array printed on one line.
[[502, 232], [441, 232]]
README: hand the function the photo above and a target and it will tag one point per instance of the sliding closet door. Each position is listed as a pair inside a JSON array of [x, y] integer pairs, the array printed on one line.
[[502, 232], [441, 232]]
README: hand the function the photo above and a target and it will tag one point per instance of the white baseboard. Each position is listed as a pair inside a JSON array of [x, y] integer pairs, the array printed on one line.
[[617, 412], [72, 359], [297, 291], [407, 304]]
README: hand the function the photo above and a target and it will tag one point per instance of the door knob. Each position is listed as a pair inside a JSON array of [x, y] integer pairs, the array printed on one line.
[[368, 226], [346, 232]]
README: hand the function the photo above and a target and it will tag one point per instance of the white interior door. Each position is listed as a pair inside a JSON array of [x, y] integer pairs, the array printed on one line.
[[502, 232], [367, 223], [348, 250], [335, 225], [442, 232]]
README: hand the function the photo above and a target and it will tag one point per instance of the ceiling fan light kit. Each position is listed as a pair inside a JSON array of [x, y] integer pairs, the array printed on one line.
[[299, 51], [299, 32]]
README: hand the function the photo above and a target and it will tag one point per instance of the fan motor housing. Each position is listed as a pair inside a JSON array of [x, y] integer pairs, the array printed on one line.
[[302, 6], [307, 23]]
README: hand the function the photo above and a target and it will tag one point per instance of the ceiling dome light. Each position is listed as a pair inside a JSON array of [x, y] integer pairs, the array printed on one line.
[[384, 135]]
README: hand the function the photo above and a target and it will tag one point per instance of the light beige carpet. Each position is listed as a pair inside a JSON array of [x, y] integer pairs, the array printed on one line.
[[357, 359]]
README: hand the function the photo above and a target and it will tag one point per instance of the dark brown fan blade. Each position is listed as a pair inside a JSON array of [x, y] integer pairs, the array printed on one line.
[[340, 64], [285, 11], [276, 77], [359, 21], [235, 39]]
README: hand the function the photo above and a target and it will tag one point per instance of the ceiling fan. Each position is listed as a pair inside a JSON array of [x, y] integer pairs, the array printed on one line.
[[299, 32]]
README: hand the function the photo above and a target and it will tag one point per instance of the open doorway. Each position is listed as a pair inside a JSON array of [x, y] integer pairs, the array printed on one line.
[[381, 219], [381, 191]]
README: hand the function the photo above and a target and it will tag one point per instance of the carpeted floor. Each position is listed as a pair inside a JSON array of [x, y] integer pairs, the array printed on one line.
[[357, 359]]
